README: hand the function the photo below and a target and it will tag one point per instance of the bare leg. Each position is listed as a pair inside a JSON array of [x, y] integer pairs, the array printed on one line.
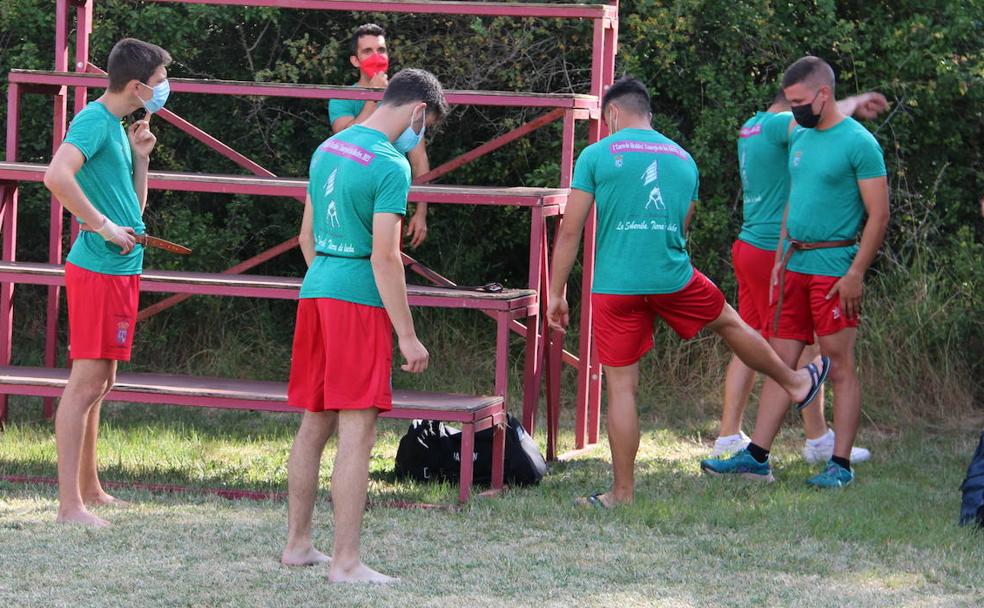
[[755, 352], [349, 484], [623, 431], [303, 469], [814, 422], [87, 383], [774, 402], [89, 485], [738, 382], [847, 388]]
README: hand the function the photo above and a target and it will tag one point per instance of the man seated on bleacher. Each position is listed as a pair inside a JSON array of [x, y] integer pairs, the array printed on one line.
[[371, 57], [353, 296]]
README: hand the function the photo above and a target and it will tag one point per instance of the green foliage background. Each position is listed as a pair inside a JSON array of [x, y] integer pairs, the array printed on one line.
[[710, 64]]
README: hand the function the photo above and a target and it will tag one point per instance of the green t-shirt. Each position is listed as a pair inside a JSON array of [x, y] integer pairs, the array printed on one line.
[[643, 185], [824, 199], [763, 151], [337, 108], [106, 178], [353, 176]]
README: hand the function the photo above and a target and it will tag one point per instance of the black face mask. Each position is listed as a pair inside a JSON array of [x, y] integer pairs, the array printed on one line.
[[804, 114]]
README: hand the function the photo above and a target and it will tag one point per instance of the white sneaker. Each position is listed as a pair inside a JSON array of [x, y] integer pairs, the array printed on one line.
[[731, 444], [818, 451]]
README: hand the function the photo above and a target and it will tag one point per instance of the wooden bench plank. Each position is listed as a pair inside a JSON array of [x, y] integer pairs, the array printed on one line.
[[173, 385], [311, 91], [294, 187], [169, 281]]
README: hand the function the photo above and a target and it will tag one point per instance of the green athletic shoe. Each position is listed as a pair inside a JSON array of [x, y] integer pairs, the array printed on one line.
[[742, 464], [834, 476]]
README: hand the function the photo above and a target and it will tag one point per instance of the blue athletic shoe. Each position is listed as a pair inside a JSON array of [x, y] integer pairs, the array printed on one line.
[[742, 464], [834, 476]]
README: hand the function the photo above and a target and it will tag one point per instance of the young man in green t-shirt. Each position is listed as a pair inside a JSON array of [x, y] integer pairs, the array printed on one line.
[[837, 174], [370, 56], [353, 296], [763, 152], [99, 174], [644, 188]]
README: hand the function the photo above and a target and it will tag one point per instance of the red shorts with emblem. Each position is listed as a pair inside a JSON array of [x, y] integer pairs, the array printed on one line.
[[623, 324], [806, 309], [342, 357], [102, 313], [753, 269]]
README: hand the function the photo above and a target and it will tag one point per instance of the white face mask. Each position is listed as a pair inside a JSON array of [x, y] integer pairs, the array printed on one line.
[[409, 139]]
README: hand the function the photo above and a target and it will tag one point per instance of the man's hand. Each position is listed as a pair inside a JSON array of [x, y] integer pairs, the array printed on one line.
[[774, 282], [416, 229], [118, 235], [558, 313], [870, 105], [379, 81], [141, 139], [415, 354], [849, 289]]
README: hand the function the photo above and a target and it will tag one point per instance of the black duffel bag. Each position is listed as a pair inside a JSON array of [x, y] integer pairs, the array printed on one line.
[[972, 508], [431, 451]]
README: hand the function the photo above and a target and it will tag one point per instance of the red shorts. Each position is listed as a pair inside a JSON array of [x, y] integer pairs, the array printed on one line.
[[623, 324], [753, 269], [806, 311], [342, 357], [102, 313]]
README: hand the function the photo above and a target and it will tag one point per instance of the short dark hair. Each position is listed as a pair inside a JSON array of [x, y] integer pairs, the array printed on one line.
[[809, 69], [133, 59], [780, 97], [630, 93], [368, 29], [412, 85]]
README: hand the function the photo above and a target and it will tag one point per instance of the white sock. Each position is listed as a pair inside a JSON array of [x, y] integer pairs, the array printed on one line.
[[729, 438], [825, 438]]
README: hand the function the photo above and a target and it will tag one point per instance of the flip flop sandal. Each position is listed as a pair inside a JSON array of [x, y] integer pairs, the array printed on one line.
[[818, 378], [592, 501]]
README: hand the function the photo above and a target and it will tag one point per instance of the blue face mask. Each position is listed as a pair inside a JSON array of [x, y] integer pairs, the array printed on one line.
[[409, 139], [161, 92]]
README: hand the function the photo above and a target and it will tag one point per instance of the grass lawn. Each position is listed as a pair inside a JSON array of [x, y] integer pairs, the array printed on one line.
[[890, 540]]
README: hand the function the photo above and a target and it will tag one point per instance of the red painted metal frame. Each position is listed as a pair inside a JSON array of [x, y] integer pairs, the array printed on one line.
[[545, 352]]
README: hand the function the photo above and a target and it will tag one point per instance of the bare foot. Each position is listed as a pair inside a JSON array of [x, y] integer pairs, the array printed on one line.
[[308, 556], [103, 499], [81, 516], [360, 573], [605, 500]]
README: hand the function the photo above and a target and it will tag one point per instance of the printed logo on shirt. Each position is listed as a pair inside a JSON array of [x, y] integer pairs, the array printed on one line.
[[330, 183], [619, 161], [651, 174], [333, 215], [349, 151], [796, 158], [647, 147], [655, 199], [749, 131]]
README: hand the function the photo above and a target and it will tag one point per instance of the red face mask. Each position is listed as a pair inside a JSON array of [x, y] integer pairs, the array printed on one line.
[[374, 64]]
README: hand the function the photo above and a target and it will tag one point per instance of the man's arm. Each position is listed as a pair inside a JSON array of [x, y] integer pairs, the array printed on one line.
[[305, 237], [60, 180], [776, 267], [565, 253], [690, 217], [344, 122], [387, 268], [142, 142], [419, 165], [874, 193], [865, 105]]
